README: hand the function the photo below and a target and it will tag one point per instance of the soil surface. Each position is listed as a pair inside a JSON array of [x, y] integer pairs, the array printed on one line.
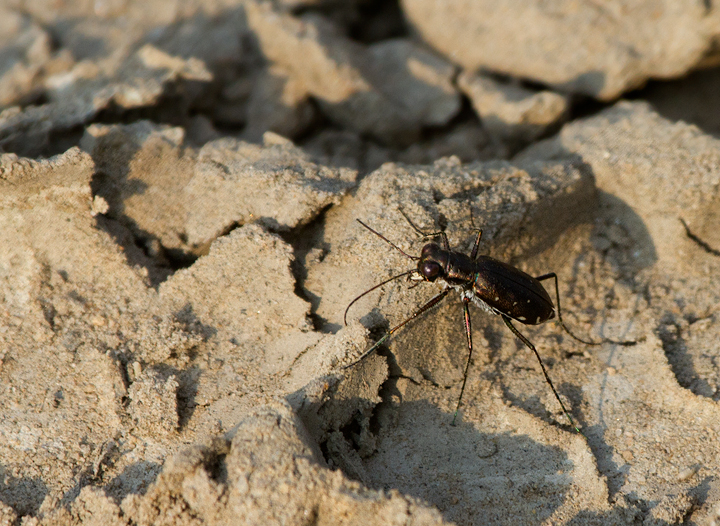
[[198, 201]]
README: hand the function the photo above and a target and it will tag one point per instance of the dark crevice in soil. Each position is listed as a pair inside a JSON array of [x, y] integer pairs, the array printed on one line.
[[603, 453], [214, 461], [145, 250], [705, 246], [681, 362], [171, 108], [123, 361], [185, 396], [389, 393], [366, 22], [325, 452], [307, 241], [61, 140], [352, 430]]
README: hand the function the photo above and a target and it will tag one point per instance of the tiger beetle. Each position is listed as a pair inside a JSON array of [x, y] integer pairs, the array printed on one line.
[[493, 286]]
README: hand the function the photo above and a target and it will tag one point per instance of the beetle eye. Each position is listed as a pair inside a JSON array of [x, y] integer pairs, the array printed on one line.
[[430, 270]]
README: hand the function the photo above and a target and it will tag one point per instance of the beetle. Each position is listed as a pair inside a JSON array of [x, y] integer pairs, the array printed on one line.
[[495, 287]]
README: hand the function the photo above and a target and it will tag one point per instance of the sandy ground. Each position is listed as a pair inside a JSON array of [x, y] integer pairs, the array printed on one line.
[[178, 247]]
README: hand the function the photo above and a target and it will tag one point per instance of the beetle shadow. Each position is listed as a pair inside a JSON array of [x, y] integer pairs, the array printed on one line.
[[623, 240], [621, 235], [470, 476]]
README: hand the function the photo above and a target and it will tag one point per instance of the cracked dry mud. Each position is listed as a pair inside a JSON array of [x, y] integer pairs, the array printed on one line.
[[179, 244], [107, 379]]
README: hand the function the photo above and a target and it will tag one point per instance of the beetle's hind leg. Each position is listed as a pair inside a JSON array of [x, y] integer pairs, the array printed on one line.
[[542, 366], [565, 327]]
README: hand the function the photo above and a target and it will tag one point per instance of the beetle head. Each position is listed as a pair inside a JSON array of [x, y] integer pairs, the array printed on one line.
[[432, 264]]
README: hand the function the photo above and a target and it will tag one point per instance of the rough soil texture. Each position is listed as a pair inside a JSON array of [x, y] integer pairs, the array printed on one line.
[[599, 49], [182, 272]]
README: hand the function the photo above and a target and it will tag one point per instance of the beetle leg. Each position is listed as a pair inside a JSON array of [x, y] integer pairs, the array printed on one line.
[[474, 251], [440, 233], [468, 334], [429, 305], [549, 275], [542, 366]]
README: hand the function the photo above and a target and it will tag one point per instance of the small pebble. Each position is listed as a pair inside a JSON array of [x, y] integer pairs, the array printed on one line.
[[688, 473]]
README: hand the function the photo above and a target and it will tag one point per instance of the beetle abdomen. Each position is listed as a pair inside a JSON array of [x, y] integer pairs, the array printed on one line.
[[512, 292]]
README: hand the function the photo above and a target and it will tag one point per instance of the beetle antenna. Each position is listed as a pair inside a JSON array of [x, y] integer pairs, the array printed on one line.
[[378, 234], [407, 273]]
